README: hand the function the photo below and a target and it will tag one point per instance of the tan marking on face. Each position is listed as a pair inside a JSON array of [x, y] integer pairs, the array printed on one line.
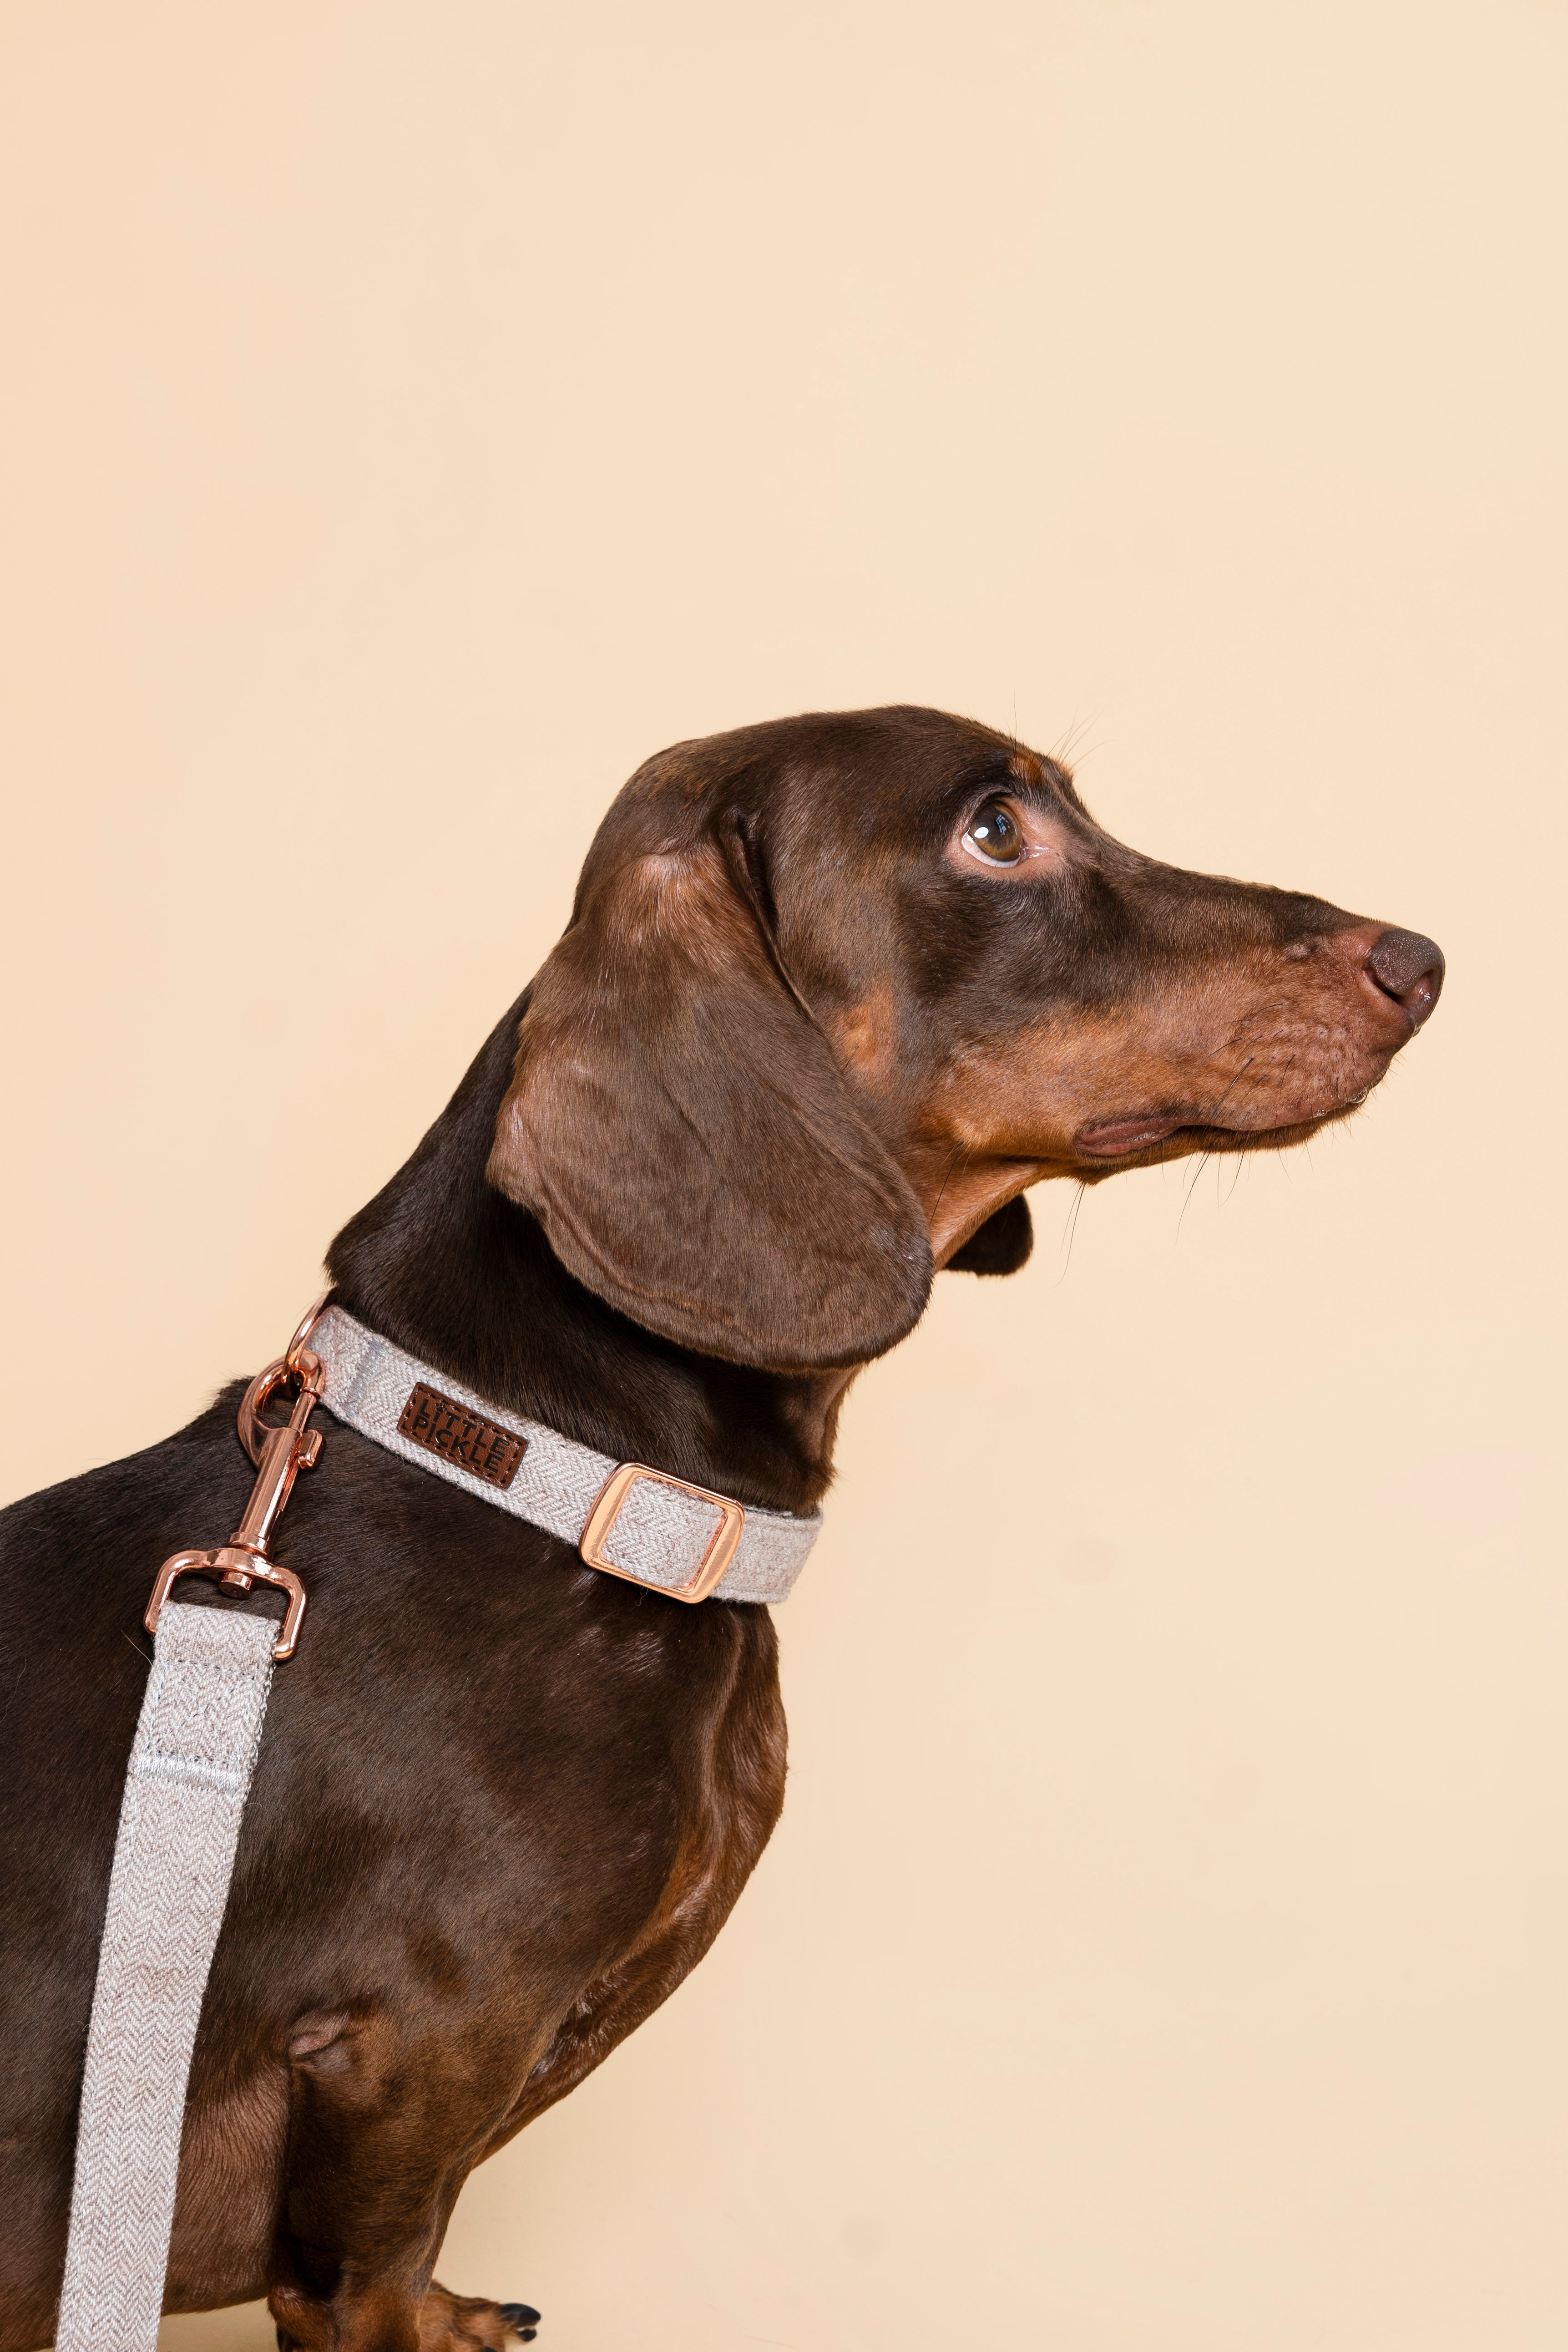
[[958, 1194], [1270, 1044], [864, 1035]]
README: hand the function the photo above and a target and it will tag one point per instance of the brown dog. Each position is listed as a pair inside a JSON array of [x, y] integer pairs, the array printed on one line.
[[835, 991]]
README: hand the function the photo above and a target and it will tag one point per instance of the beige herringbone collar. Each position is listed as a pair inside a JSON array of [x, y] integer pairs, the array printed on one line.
[[626, 1519]]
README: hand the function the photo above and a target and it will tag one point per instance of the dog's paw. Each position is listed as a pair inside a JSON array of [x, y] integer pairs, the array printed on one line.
[[463, 2323]]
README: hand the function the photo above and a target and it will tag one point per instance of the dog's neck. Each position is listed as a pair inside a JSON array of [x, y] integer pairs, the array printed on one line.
[[441, 1264]]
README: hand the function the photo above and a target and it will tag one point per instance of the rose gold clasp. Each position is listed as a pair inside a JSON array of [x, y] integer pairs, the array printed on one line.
[[280, 1450]]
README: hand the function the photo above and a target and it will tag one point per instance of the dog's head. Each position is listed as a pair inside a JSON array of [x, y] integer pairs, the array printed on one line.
[[837, 989]]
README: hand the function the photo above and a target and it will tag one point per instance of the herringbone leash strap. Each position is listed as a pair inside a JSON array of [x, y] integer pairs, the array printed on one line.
[[179, 1826]]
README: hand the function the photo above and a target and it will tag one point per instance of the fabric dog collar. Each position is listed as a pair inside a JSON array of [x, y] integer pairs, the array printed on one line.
[[624, 1517]]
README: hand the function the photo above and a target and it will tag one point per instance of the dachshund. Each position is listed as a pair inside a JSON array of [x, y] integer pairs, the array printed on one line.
[[835, 992]]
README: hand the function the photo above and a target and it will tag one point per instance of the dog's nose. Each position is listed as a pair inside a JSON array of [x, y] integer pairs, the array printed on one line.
[[1410, 968]]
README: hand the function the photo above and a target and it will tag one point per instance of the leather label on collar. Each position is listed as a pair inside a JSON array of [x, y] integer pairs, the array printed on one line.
[[460, 1437]]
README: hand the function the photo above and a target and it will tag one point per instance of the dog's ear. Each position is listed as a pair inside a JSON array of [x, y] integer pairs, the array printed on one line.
[[679, 1127], [1001, 1246]]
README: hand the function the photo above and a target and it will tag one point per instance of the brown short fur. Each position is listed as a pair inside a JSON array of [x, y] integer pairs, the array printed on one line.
[[804, 1042]]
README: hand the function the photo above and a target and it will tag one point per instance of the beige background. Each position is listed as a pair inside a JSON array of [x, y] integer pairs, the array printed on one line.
[[415, 416]]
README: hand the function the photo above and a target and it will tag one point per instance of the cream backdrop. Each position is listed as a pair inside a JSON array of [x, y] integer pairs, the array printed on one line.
[[416, 415]]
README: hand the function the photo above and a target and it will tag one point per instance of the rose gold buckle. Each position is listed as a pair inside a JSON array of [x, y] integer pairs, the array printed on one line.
[[607, 1510]]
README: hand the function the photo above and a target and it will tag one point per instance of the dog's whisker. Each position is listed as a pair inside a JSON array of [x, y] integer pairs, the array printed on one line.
[[962, 1152], [1211, 1118], [1204, 1158], [1080, 1195]]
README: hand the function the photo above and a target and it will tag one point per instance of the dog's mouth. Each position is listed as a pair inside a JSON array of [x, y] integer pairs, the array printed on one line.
[[1123, 1139], [1113, 1139]]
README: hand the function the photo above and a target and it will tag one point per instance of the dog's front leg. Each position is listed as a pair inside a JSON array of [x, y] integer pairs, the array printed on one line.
[[384, 2128]]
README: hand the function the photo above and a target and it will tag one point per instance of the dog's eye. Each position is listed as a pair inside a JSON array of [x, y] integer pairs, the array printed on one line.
[[996, 834]]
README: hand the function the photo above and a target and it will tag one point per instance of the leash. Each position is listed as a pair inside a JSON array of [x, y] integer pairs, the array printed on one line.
[[200, 1732], [188, 1776]]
